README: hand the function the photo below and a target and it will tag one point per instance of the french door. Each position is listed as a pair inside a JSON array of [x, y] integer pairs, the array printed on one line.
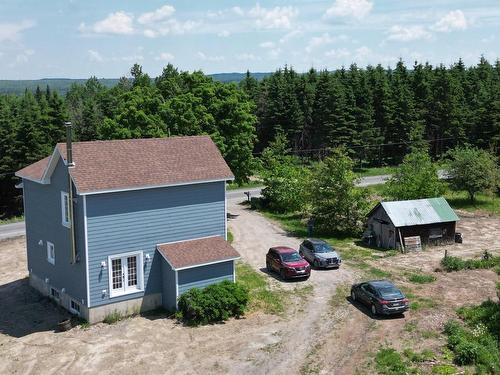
[[125, 274]]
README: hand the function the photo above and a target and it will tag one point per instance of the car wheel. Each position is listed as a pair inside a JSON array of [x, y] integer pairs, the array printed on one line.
[[282, 274], [316, 263], [374, 310], [269, 268], [353, 295]]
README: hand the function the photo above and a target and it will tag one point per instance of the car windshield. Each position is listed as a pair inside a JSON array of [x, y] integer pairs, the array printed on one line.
[[322, 248], [390, 292], [290, 257]]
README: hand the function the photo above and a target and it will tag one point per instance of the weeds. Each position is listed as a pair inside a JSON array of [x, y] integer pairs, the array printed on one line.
[[420, 278], [451, 263], [261, 296], [113, 317]]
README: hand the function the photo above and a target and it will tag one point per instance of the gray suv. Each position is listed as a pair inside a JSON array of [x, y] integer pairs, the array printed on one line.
[[319, 253]]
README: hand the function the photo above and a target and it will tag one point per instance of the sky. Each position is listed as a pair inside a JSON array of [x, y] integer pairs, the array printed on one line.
[[79, 39]]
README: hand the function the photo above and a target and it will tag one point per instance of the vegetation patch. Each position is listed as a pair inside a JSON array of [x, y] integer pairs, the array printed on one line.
[[451, 263], [230, 237], [420, 278], [444, 369], [215, 303], [261, 297], [421, 303], [473, 346], [113, 317], [244, 185], [389, 362]]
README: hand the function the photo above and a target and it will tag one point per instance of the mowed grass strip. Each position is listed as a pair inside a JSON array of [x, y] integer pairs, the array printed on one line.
[[262, 297]]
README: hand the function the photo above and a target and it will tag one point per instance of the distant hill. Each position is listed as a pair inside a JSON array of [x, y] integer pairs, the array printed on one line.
[[62, 85]]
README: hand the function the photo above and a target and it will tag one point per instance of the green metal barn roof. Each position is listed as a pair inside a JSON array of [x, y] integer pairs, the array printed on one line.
[[419, 212]]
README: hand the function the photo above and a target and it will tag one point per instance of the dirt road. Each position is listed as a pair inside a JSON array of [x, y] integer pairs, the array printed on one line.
[[324, 334]]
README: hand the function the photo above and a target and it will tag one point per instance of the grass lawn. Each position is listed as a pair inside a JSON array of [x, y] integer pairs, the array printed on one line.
[[375, 171], [456, 199], [484, 202], [10, 220], [246, 185]]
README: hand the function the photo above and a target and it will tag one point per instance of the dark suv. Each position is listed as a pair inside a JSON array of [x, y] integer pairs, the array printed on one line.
[[381, 296], [287, 262]]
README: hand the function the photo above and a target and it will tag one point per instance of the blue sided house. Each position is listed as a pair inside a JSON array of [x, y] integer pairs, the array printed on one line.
[[127, 225]]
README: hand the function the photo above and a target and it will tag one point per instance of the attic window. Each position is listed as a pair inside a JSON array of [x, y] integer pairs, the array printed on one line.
[[65, 209]]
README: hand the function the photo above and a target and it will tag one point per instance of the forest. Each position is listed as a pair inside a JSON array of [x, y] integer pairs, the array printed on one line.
[[376, 113]]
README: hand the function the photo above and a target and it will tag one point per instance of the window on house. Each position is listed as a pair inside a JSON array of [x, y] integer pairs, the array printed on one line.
[[65, 209], [125, 274], [54, 293], [74, 307], [51, 253]]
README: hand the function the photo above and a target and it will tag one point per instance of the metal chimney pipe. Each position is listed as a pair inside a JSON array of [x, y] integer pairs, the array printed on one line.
[[69, 147]]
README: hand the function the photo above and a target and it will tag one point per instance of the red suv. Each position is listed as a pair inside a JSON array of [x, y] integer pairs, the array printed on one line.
[[287, 262]]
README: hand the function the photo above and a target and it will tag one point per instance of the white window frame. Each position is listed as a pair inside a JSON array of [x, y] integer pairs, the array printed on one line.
[[71, 309], [65, 219], [140, 274], [51, 259]]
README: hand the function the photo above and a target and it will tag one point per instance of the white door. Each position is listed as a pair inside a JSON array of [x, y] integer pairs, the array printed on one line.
[[125, 274]]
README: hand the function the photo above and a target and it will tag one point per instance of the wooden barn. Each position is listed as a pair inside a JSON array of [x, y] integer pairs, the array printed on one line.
[[391, 224]]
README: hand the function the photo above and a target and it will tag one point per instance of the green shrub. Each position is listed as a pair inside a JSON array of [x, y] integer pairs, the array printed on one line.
[[390, 362], [466, 353], [487, 314], [451, 263], [215, 303], [419, 278]]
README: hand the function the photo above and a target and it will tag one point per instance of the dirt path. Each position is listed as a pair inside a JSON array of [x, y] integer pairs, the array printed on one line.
[[320, 335], [299, 333]]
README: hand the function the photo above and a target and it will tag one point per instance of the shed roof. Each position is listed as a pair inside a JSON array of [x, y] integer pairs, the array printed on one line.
[[102, 166], [419, 211], [198, 252]]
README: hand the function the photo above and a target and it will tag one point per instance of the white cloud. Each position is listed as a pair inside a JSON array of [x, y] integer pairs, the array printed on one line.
[[349, 8], [170, 26], [223, 34], [408, 33], [12, 31], [157, 15], [115, 23], [285, 38], [338, 53], [323, 39], [454, 20], [24, 56], [164, 56], [267, 44], [247, 57], [274, 53], [273, 18], [95, 56], [204, 57], [238, 11]]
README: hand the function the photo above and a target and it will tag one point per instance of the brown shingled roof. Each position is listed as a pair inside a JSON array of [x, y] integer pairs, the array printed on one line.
[[193, 253], [141, 163], [34, 171]]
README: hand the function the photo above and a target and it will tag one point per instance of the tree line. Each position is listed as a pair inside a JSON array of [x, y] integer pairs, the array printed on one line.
[[377, 114]]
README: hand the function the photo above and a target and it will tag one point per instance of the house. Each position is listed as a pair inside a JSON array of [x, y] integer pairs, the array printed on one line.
[[391, 224], [127, 225]]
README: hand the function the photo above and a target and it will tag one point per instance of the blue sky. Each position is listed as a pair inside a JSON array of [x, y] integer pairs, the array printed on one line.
[[77, 39]]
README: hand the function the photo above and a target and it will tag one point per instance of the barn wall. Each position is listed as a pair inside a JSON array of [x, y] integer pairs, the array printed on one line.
[[448, 230]]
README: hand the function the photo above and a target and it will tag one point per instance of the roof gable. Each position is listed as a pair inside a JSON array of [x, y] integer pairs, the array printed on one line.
[[419, 211], [105, 166]]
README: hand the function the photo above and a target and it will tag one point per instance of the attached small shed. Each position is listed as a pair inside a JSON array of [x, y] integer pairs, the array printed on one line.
[[195, 264], [432, 219]]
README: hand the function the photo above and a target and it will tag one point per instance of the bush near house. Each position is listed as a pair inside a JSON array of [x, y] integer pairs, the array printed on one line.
[[215, 303]]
